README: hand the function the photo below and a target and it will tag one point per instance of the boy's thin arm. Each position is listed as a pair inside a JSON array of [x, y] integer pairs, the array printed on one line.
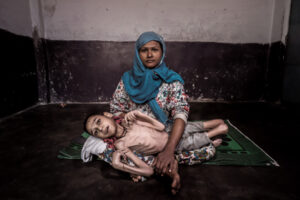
[[141, 167]]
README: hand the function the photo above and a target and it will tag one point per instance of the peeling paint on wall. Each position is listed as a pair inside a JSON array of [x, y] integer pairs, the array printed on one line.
[[231, 21], [49, 7]]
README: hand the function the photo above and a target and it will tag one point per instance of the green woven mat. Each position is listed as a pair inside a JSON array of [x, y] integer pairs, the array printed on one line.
[[236, 149]]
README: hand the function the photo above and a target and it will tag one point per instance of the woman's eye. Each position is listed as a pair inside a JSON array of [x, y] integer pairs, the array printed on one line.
[[143, 50], [98, 122]]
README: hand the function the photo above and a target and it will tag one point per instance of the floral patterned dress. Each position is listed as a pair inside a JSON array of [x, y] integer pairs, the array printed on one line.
[[171, 98], [174, 102]]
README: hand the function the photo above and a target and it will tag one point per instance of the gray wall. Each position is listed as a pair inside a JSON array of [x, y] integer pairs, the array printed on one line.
[[227, 21]]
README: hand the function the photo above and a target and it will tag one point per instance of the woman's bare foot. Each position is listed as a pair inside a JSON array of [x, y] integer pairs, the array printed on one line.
[[175, 186]]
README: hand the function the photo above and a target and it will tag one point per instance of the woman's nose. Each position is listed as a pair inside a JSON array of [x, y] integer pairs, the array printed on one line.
[[149, 54]]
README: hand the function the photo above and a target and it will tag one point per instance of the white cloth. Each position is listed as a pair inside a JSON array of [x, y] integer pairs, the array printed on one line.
[[92, 146]]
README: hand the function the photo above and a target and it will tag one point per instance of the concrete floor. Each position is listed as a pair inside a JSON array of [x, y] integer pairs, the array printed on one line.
[[30, 142]]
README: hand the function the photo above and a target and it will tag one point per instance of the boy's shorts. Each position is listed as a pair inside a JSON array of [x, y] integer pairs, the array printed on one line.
[[194, 137]]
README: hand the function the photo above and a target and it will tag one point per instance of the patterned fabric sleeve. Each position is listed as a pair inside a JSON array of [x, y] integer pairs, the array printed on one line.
[[196, 156], [178, 106], [120, 99]]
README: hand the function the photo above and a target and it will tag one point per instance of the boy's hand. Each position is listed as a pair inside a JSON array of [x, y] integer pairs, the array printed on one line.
[[131, 116], [107, 114]]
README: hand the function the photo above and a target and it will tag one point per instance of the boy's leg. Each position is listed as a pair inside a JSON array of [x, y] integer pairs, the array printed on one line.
[[212, 123], [195, 137], [201, 126], [193, 127], [216, 127], [193, 141]]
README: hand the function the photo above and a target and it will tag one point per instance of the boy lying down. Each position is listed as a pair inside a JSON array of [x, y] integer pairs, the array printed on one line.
[[141, 133]]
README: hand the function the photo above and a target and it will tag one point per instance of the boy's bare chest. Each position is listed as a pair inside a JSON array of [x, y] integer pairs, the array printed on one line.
[[145, 140]]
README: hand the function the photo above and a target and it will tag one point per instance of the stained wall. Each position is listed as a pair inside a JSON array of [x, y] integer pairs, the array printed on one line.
[[226, 51], [230, 50]]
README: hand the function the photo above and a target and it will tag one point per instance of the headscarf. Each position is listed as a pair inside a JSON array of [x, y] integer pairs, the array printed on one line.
[[142, 83]]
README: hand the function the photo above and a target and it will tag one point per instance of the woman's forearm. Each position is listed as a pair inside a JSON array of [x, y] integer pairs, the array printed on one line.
[[165, 159], [176, 134]]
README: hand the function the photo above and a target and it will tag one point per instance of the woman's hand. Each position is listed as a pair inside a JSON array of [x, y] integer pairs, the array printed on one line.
[[164, 161]]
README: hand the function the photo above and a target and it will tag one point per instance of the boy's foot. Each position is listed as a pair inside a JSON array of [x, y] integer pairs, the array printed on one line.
[[217, 142], [222, 128], [136, 178]]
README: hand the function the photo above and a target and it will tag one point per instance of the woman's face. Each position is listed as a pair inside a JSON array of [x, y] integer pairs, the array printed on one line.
[[150, 54]]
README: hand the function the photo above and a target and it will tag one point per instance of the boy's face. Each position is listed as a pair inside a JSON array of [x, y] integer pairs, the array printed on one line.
[[101, 126]]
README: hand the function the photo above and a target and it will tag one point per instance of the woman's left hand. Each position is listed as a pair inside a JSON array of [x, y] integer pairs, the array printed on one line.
[[164, 161]]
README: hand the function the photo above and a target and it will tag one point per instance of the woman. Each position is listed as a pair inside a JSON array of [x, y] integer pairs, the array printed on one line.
[[155, 90]]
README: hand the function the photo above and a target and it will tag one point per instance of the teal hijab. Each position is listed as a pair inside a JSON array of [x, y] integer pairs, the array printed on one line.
[[142, 84]]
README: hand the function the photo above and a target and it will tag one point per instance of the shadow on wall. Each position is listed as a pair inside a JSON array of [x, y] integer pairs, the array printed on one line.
[[18, 77], [291, 87]]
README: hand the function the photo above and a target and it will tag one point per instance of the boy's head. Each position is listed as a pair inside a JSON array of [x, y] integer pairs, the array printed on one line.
[[101, 126]]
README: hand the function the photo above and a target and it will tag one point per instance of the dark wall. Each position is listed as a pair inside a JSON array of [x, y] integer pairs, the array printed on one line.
[[88, 71], [291, 89], [18, 77]]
